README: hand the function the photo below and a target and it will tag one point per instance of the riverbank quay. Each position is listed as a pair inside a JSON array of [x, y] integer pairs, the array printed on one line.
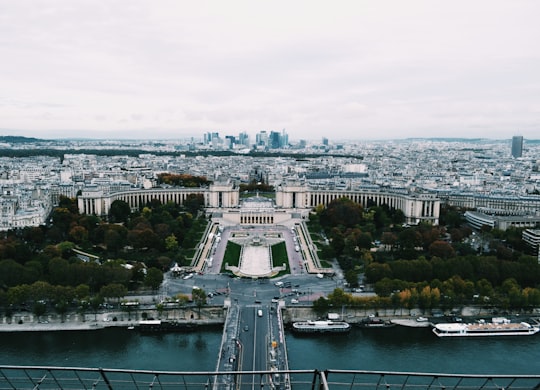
[[27, 322], [192, 317], [412, 318]]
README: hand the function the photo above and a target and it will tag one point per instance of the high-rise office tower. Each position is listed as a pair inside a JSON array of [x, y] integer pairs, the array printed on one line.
[[243, 138], [517, 146], [261, 138]]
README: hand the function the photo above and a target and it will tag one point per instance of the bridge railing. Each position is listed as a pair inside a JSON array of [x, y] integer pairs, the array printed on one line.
[[359, 380], [75, 378]]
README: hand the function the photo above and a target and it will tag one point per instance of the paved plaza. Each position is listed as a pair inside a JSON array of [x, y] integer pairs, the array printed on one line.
[[256, 258], [255, 261]]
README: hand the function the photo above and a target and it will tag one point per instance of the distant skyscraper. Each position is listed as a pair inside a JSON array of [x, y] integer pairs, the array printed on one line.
[[517, 146], [261, 138], [274, 140], [243, 139]]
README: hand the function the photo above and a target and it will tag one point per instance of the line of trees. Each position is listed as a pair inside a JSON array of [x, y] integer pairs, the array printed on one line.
[[496, 272], [38, 264], [42, 297], [443, 296], [183, 180]]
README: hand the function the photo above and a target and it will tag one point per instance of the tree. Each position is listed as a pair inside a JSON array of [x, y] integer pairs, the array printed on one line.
[[39, 309], [112, 240], [194, 202], [409, 238], [389, 239], [41, 291], [343, 212], [395, 300], [59, 271], [321, 306], [384, 287], [34, 236], [429, 298], [11, 273], [377, 271], [83, 308], [532, 296], [337, 241], [164, 262], [171, 243], [154, 278], [119, 212], [199, 297], [66, 248], [61, 308], [441, 249], [405, 298], [78, 234], [410, 299], [339, 298], [20, 294], [143, 238], [95, 304], [351, 276], [68, 203], [113, 291], [451, 216], [82, 291], [484, 288]]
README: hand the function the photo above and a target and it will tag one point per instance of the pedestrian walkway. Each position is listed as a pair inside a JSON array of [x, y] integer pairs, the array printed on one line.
[[256, 261]]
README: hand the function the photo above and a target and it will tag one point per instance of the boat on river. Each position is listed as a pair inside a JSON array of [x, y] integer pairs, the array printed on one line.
[[321, 326], [375, 322], [148, 326], [497, 327]]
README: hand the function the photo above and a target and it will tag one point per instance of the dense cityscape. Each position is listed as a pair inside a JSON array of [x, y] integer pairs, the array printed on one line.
[[497, 181], [101, 233], [276, 195]]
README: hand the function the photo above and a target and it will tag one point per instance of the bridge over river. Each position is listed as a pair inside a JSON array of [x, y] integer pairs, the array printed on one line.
[[253, 340]]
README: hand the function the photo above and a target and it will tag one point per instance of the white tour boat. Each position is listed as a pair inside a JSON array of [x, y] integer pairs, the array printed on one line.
[[497, 327], [321, 326]]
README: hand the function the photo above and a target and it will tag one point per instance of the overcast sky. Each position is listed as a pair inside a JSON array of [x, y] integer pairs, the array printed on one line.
[[341, 69]]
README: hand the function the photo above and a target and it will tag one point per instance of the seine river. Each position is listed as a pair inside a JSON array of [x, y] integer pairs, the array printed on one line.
[[395, 349]]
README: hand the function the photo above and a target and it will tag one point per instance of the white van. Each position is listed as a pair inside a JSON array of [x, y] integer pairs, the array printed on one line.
[[259, 313]]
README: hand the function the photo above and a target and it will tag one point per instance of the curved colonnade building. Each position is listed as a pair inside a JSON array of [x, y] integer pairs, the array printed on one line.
[[503, 204], [292, 200]]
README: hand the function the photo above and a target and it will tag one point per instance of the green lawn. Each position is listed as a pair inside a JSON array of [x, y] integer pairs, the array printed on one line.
[[279, 254], [231, 256]]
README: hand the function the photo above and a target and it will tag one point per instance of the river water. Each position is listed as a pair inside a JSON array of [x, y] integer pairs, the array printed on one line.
[[394, 349]]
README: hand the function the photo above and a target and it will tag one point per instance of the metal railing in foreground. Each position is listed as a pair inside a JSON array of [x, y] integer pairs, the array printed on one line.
[[356, 379], [74, 378]]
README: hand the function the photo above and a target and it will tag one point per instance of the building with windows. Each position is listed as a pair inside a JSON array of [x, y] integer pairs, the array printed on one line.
[[94, 200], [517, 146], [508, 204], [416, 206], [532, 238], [478, 220], [292, 197]]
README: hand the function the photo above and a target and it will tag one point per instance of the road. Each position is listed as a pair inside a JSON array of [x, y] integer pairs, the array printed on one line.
[[252, 291], [254, 340]]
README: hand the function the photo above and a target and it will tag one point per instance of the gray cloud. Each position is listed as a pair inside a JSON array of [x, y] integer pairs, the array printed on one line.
[[380, 69]]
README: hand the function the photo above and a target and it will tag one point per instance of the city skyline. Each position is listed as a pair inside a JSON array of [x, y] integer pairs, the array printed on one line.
[[353, 71]]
